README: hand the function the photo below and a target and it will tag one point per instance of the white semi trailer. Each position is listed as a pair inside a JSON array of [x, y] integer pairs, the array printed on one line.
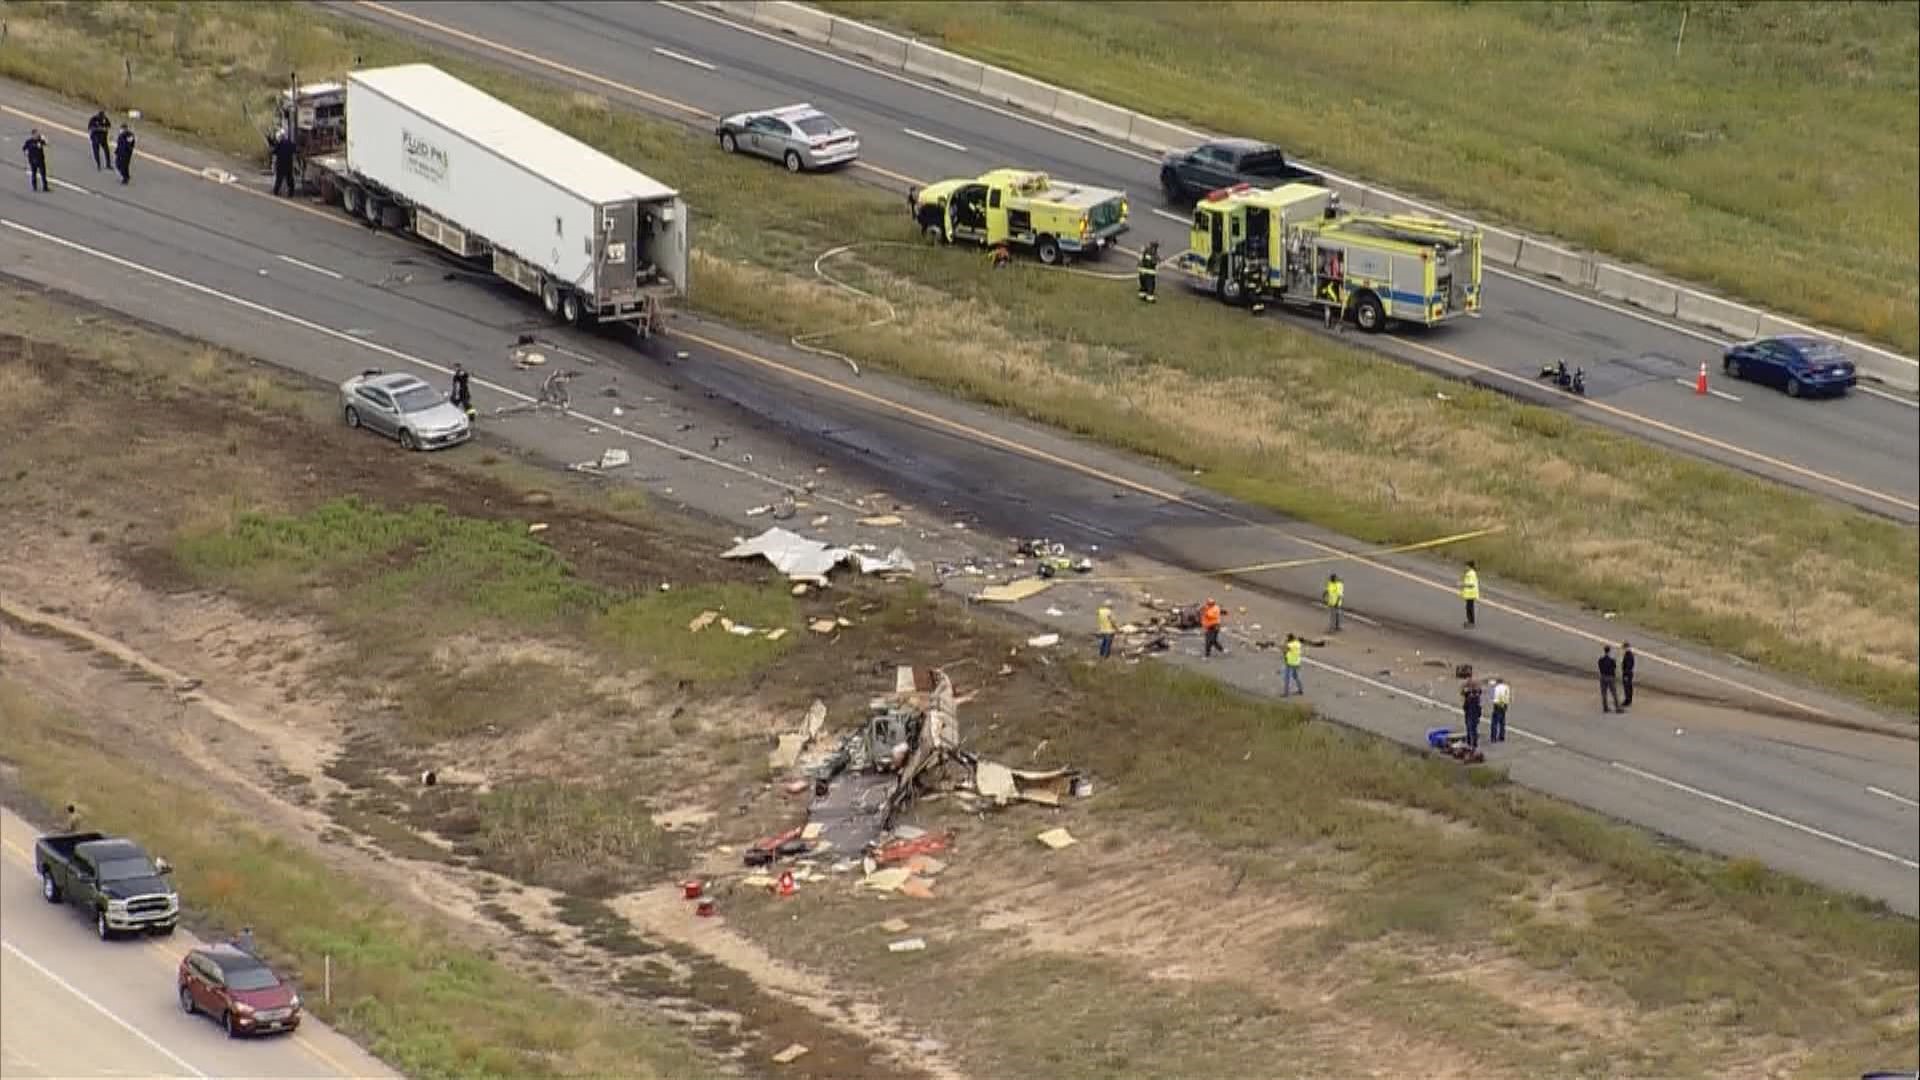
[[595, 240]]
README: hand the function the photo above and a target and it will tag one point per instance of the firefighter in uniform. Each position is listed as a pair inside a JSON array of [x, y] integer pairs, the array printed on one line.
[[1149, 270]]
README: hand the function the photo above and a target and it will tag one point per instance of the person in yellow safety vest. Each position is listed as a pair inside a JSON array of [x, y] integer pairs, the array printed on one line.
[[1336, 599], [1290, 675], [1149, 271], [1470, 589], [1104, 620]]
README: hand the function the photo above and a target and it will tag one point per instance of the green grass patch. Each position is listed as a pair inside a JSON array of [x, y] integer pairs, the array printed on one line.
[[651, 628], [402, 985], [578, 838], [1331, 434], [1692, 154]]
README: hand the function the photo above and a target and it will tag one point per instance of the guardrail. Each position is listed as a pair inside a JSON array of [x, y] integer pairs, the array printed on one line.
[[1502, 247]]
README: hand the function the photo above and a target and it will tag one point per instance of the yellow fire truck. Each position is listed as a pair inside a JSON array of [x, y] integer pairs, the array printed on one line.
[[1294, 245], [1031, 209]]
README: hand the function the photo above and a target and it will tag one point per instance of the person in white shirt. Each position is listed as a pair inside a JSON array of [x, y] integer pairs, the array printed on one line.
[[1502, 697]]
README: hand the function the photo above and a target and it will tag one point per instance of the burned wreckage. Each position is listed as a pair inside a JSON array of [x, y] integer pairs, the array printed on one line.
[[909, 745]]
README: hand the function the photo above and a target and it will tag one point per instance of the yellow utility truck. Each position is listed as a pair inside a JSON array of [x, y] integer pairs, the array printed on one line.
[[1294, 245], [1059, 221]]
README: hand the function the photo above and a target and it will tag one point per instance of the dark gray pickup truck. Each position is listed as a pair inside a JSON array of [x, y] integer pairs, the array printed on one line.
[[110, 879], [1186, 175]]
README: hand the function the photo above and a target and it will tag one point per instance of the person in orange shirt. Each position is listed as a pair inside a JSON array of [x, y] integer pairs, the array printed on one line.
[[1210, 625]]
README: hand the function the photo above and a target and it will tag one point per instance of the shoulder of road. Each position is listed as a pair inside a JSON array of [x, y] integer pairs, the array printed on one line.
[[1824, 800]]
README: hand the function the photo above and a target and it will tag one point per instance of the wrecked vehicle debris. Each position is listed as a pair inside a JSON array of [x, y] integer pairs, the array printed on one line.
[[810, 561]]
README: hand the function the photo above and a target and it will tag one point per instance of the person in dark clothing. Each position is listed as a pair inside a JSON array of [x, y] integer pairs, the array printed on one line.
[[1470, 698], [36, 150], [1149, 271], [283, 154], [123, 153], [1609, 691], [462, 395], [98, 129], [1626, 675]]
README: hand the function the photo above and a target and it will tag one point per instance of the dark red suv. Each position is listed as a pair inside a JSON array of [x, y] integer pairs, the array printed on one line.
[[238, 989]]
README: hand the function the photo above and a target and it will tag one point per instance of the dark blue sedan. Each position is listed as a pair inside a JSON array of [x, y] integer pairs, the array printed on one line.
[[1799, 365]]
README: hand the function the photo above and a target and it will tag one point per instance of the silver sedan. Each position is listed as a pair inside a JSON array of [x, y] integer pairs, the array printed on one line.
[[402, 407], [798, 136]]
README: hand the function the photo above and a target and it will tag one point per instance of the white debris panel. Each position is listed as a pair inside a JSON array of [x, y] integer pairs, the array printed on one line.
[[802, 559]]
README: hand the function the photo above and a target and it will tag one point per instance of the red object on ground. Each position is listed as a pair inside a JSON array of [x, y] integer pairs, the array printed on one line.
[[692, 889], [787, 887], [1700, 383], [705, 910], [902, 850]]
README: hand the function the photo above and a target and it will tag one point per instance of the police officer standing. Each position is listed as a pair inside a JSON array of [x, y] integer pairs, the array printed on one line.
[[36, 150], [462, 395], [98, 129], [123, 153], [284, 152], [1609, 689], [1626, 675], [1149, 270]]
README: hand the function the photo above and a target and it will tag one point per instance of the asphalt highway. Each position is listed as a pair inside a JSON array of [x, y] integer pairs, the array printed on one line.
[[690, 66], [73, 1006], [1767, 769]]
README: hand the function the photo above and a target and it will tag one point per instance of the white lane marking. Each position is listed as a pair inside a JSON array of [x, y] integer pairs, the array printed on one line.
[[1911, 403], [1142, 155], [1413, 695], [936, 140], [729, 466], [59, 183], [1767, 816], [309, 266], [408, 358], [1688, 383], [683, 58], [102, 1009], [1885, 794], [1170, 216], [1078, 524]]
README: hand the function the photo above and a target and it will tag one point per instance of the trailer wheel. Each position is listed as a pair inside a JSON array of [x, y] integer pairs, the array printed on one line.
[[1049, 251], [1369, 314], [550, 298], [352, 199], [570, 308], [728, 143]]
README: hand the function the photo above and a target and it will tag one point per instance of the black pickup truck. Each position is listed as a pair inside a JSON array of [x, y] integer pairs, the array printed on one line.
[[110, 879], [1186, 175]]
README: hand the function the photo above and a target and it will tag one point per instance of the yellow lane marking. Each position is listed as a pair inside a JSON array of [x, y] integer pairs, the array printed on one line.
[[1292, 564], [173, 956], [1611, 410], [991, 439]]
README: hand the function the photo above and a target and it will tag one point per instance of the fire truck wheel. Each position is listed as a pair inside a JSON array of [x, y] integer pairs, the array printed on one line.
[[1368, 313], [1049, 251]]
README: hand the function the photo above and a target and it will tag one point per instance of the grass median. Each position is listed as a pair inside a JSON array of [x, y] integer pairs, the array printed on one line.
[[417, 998], [1767, 152], [1330, 434], [1389, 884]]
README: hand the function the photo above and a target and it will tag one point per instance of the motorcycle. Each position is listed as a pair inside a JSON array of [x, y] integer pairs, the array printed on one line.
[[1574, 382]]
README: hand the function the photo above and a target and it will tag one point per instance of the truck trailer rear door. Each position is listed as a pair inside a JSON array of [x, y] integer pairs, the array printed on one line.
[[617, 262]]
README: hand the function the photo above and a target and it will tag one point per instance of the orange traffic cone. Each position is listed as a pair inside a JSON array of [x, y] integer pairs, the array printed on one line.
[[786, 886], [1700, 381]]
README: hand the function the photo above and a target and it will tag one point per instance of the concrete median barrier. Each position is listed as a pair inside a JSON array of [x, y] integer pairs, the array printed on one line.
[[887, 50], [1643, 292], [1700, 309], [1159, 136], [1085, 112], [1499, 247], [803, 22], [1557, 263], [744, 10], [1018, 91], [944, 67]]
